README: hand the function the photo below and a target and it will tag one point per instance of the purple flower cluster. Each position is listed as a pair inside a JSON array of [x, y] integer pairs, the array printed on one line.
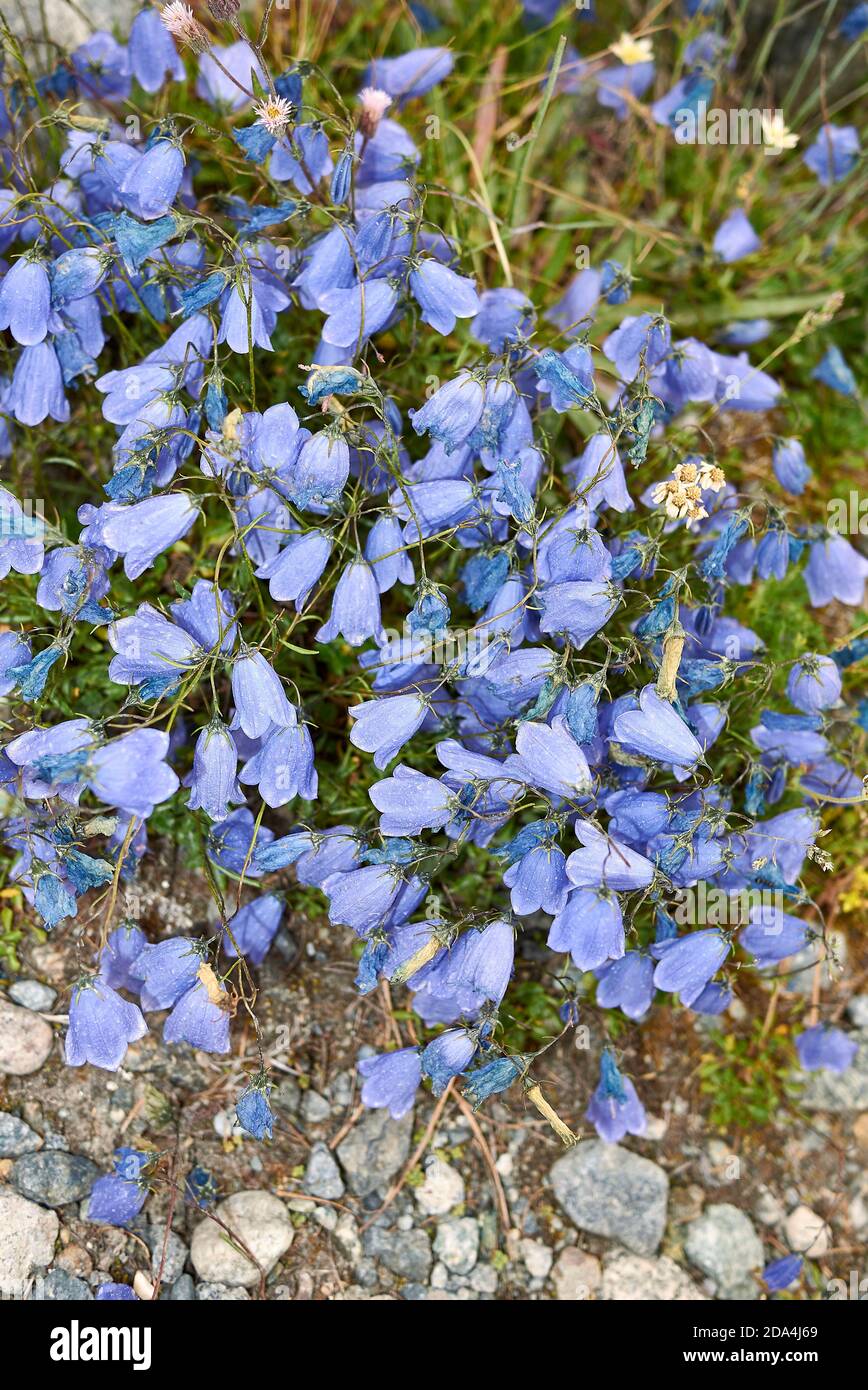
[[574, 725]]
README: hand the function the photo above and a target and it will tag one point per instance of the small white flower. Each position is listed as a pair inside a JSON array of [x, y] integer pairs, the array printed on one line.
[[630, 51], [775, 134], [275, 113]]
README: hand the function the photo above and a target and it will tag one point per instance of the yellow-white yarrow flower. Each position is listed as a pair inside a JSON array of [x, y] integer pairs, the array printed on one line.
[[631, 51]]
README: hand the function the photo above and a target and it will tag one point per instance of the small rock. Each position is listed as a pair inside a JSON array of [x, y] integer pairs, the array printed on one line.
[[25, 1040], [60, 1287], [860, 1132], [537, 1258], [326, 1217], [576, 1274], [30, 994], [457, 1244], [315, 1109], [767, 1208], [54, 1178], [287, 1095], [221, 1293], [407, 1254], [375, 1150], [724, 1245], [176, 1252], [74, 1259], [442, 1190], [807, 1233], [347, 1238], [182, 1291], [609, 1191], [260, 1220], [439, 1276], [323, 1176], [632, 1279], [857, 1010], [655, 1128], [16, 1137], [27, 1236], [484, 1279]]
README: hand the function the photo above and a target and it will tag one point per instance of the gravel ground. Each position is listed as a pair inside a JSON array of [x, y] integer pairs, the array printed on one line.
[[348, 1204]]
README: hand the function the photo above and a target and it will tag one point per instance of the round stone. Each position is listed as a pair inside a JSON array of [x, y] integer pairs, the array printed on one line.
[[25, 1040], [261, 1221]]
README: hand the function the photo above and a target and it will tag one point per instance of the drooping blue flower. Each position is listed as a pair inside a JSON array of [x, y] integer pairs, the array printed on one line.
[[150, 187], [121, 951], [834, 371], [834, 153], [452, 413], [213, 781], [822, 1048], [153, 57], [538, 881], [577, 610], [130, 772], [503, 316], [295, 570], [254, 927], [772, 934], [143, 531], [383, 726], [548, 757], [606, 862], [814, 683], [117, 1198], [643, 339], [283, 767], [590, 927], [115, 1293], [25, 299], [410, 802], [835, 570], [254, 1112], [355, 614], [37, 386], [163, 972], [358, 312], [442, 295], [627, 984], [656, 731], [101, 1026], [615, 1109], [448, 1055], [199, 1021], [687, 965], [484, 964], [735, 238], [780, 1274], [391, 1081], [791, 470], [492, 1079], [260, 700], [412, 74], [102, 66]]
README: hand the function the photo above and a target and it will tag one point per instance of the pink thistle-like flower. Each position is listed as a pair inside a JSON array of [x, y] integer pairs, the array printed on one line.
[[375, 103], [183, 25]]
